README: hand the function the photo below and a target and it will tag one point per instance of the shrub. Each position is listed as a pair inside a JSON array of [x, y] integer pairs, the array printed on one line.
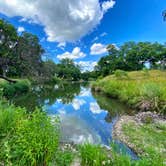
[[146, 72], [120, 74], [11, 90]]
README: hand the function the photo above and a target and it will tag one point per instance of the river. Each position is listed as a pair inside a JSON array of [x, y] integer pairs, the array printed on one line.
[[84, 116]]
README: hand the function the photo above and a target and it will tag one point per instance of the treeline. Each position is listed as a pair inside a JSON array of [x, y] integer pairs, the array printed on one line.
[[132, 56], [21, 56]]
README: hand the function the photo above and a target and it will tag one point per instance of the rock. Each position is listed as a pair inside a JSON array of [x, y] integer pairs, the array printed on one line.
[[146, 117]]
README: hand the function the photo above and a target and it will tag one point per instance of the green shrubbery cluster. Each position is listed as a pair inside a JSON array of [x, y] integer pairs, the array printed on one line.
[[13, 89], [27, 139]]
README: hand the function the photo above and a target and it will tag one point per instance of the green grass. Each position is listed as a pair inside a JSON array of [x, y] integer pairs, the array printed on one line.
[[143, 90], [30, 139], [33, 139], [93, 155], [148, 139]]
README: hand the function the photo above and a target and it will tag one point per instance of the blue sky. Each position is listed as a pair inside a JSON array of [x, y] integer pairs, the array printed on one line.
[[80, 30]]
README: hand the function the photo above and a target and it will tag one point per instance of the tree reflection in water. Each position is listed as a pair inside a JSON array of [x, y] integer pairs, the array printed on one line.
[[48, 94]]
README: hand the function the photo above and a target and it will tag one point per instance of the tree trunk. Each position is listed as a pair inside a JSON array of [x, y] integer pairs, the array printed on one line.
[[7, 79]]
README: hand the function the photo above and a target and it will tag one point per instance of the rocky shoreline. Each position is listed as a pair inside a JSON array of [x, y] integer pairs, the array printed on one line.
[[138, 119]]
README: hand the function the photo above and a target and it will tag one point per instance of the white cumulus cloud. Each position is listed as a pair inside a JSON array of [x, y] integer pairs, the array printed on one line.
[[107, 5], [98, 49], [63, 20], [86, 65], [94, 107], [62, 45], [77, 103], [20, 29], [75, 54]]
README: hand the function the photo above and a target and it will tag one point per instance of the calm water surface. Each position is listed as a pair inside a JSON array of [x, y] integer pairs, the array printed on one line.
[[84, 116]]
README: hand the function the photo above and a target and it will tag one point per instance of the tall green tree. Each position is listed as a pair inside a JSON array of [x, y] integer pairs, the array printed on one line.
[[29, 61], [8, 42], [68, 70], [133, 56]]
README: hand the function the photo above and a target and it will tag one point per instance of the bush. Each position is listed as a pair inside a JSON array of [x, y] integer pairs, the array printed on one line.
[[27, 139], [11, 90], [120, 74]]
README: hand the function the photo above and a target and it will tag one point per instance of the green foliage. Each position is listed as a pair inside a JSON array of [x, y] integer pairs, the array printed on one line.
[[67, 70], [132, 56], [8, 41], [63, 158], [146, 72], [11, 90], [120, 74], [20, 55], [27, 139], [148, 140], [92, 155], [141, 92]]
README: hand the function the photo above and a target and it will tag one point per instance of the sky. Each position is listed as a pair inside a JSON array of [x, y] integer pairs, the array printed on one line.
[[81, 29]]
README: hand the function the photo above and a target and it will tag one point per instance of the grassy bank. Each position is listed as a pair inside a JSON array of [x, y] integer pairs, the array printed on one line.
[[93, 155], [29, 138], [33, 139], [146, 138], [149, 139], [143, 90]]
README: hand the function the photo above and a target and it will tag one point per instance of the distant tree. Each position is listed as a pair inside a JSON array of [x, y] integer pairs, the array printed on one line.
[[68, 70], [133, 56], [49, 69]]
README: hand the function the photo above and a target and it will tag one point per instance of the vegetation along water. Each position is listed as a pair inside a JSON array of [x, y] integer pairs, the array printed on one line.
[[65, 113]]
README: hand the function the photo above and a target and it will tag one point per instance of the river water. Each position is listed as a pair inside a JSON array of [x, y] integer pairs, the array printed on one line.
[[84, 116]]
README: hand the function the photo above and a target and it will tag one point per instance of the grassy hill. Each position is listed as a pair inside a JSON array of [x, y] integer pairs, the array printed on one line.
[[143, 90]]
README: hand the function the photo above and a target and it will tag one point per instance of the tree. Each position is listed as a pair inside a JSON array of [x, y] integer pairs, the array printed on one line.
[[8, 42], [66, 69], [133, 56], [49, 69], [29, 61]]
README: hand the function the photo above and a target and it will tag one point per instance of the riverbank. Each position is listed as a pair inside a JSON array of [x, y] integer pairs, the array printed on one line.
[[9, 90], [145, 134], [141, 90]]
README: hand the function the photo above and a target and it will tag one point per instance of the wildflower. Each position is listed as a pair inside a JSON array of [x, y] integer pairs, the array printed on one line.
[[103, 162]]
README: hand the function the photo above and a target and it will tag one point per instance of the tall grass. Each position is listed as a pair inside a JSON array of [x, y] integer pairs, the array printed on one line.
[[93, 155], [139, 90], [27, 139]]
